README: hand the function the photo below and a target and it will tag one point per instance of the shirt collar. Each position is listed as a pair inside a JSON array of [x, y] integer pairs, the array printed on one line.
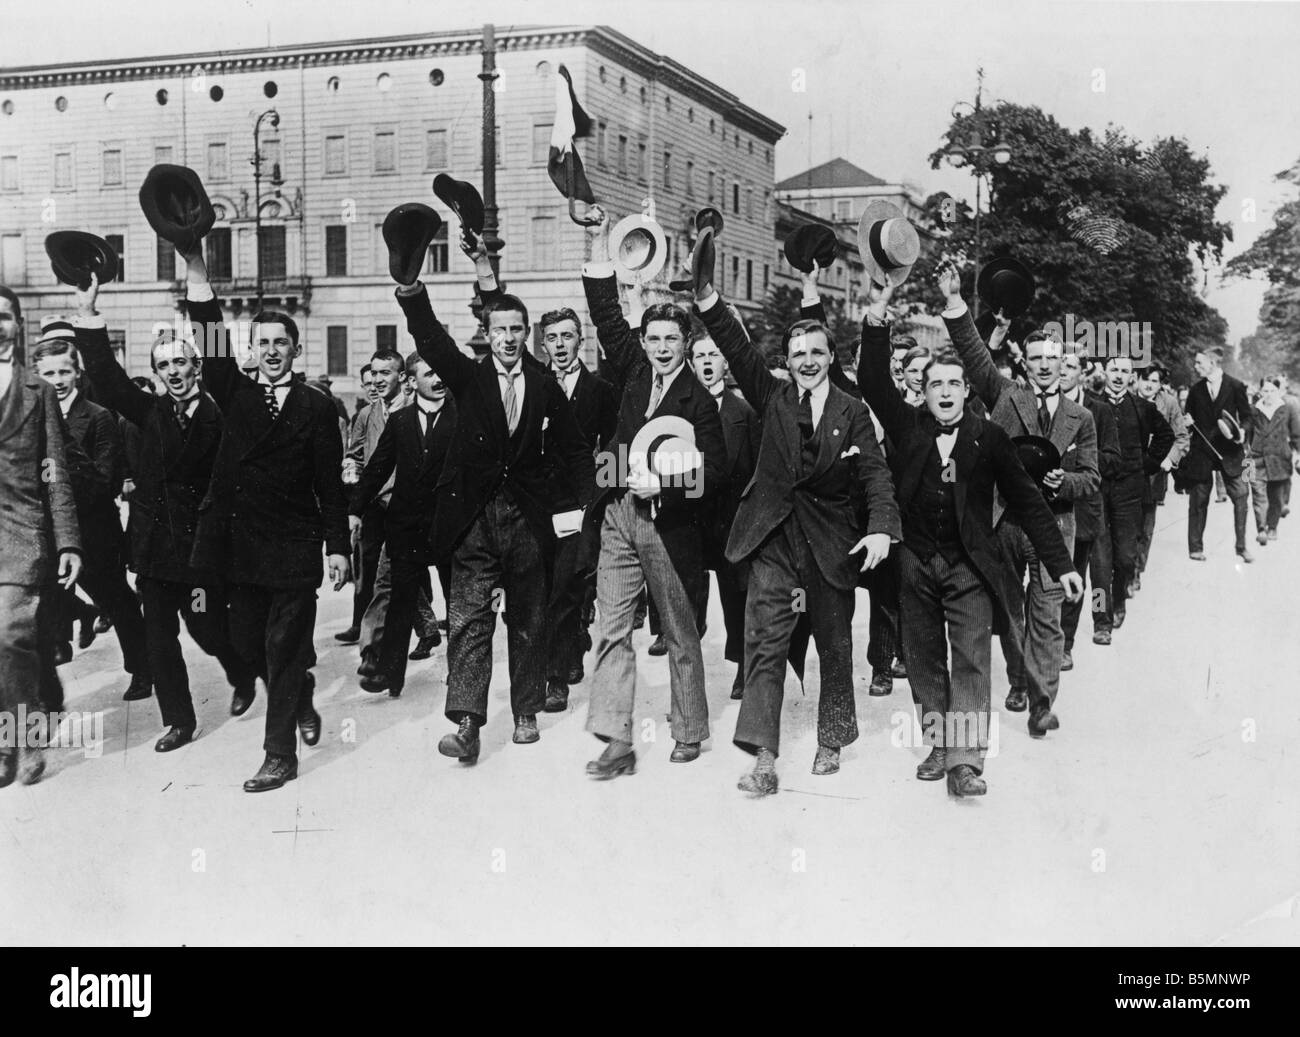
[[66, 403], [518, 368], [668, 379], [283, 382], [718, 388], [820, 393], [428, 406]]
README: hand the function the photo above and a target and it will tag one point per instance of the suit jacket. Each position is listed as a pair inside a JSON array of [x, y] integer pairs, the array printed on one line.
[[680, 518], [985, 461], [1089, 511], [826, 501], [277, 489], [38, 512], [97, 465], [595, 409], [741, 434], [366, 430], [483, 457], [1014, 407], [1274, 440], [1155, 434], [172, 470], [1167, 404], [1200, 463]]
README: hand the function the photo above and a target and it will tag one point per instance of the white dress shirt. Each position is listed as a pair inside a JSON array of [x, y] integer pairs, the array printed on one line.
[[427, 412], [818, 400], [716, 390], [668, 380], [65, 404], [517, 373], [6, 375], [281, 386], [946, 443], [569, 378]]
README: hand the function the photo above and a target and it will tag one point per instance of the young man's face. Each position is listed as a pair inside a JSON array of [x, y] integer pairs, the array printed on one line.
[[562, 340], [9, 326], [808, 359], [665, 346], [1043, 362], [1270, 393], [274, 350], [428, 386], [709, 363], [175, 368], [895, 366], [1204, 364], [1119, 373], [368, 387], [60, 372], [912, 373], [1071, 372], [386, 375], [506, 334], [945, 392], [1149, 385]]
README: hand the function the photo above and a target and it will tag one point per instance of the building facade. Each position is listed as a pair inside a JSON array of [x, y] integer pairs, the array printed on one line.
[[362, 126], [838, 191]]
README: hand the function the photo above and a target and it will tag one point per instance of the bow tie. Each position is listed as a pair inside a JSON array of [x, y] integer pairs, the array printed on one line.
[[1117, 400], [1047, 393], [944, 430]]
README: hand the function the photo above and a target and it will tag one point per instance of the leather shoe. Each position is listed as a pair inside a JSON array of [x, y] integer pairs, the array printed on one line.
[[963, 781], [1041, 721], [350, 636], [658, 647], [464, 744], [1136, 585], [899, 670], [1017, 700], [576, 674], [618, 758], [62, 653], [933, 767], [557, 697], [526, 729], [1067, 660], [309, 726], [827, 760], [369, 665], [685, 752], [425, 646], [1101, 637], [31, 765], [1245, 555], [87, 637], [762, 780], [882, 683], [738, 685], [376, 682], [140, 688], [241, 699], [1121, 614], [1262, 539], [8, 767], [275, 772], [1197, 556], [174, 739]]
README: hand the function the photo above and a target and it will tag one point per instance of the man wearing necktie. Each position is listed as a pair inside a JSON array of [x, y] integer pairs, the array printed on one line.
[[1217, 448], [1034, 642], [179, 436], [950, 467]]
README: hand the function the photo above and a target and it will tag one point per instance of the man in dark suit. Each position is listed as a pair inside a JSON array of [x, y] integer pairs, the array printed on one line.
[[276, 494], [496, 509], [1220, 422], [178, 435], [797, 526], [740, 433], [96, 469], [409, 457], [651, 531], [957, 587], [1033, 644], [38, 531]]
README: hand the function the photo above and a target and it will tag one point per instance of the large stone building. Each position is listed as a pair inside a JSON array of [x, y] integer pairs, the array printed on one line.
[[838, 191], [363, 125]]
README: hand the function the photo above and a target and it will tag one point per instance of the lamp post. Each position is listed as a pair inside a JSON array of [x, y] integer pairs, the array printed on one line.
[[981, 152], [491, 241], [276, 181]]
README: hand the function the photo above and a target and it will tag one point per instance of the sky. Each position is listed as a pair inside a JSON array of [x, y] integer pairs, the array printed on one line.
[[881, 77]]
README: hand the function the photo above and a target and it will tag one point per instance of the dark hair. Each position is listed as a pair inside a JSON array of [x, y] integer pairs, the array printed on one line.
[[8, 293], [667, 311], [144, 383], [1157, 369], [901, 342], [274, 317], [562, 314], [803, 327], [504, 304], [387, 355], [57, 347], [413, 361], [916, 351], [946, 357], [364, 369]]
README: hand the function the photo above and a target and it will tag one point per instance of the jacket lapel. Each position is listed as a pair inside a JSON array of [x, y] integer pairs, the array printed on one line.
[[1065, 425], [293, 414], [835, 416], [964, 456], [494, 416], [1026, 405], [19, 401]]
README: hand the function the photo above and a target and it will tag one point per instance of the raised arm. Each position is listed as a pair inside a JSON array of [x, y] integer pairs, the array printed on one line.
[[980, 370], [115, 389], [756, 382], [875, 380], [435, 346]]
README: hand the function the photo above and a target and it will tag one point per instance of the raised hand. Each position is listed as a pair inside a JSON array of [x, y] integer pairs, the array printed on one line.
[[86, 297]]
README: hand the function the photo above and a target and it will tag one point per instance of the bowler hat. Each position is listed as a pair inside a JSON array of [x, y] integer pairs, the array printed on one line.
[[1038, 455], [176, 205], [1006, 285], [75, 255], [702, 259], [811, 242], [709, 217], [462, 198], [638, 248], [888, 243], [408, 230]]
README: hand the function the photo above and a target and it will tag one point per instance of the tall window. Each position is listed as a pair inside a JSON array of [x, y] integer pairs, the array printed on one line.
[[690, 179], [622, 155], [336, 159], [117, 343], [118, 245], [8, 172], [112, 167], [63, 170], [217, 257], [710, 183], [543, 243], [735, 199], [640, 161], [218, 166], [767, 273], [844, 209], [336, 350], [735, 272], [165, 258], [749, 203], [437, 262], [435, 149], [541, 142], [271, 252], [385, 336], [162, 154], [385, 151], [668, 170], [749, 279], [13, 261], [600, 143], [336, 251]]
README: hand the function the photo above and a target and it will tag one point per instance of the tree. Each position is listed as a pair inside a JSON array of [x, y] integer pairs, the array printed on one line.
[[781, 309]]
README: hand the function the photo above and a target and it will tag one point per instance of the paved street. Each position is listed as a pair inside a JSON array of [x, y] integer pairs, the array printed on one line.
[[1163, 810]]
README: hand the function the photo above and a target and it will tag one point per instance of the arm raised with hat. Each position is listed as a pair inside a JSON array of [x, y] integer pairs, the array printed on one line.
[[436, 347], [221, 374], [756, 382], [111, 381], [617, 338], [988, 383], [875, 380]]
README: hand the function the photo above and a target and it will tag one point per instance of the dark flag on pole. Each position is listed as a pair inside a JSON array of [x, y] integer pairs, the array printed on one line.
[[571, 122]]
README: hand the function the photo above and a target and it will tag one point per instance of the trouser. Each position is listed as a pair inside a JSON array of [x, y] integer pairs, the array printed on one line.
[[1085, 566], [376, 614], [1034, 642], [22, 660], [1116, 549], [272, 630], [109, 590], [1268, 498], [206, 618], [500, 556], [370, 542], [782, 565], [882, 624], [1219, 488], [944, 604], [632, 553], [1198, 506], [48, 611], [573, 582], [1145, 536], [409, 570]]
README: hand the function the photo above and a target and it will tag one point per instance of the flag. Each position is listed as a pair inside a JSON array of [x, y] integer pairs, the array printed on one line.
[[571, 122]]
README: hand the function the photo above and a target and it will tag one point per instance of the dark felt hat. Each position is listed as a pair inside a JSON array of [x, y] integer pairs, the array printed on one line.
[[702, 259], [1006, 284], [811, 242], [75, 255], [462, 198], [176, 205], [1038, 455], [408, 230], [709, 217]]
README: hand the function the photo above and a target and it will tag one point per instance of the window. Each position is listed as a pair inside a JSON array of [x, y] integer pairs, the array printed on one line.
[[811, 207], [640, 161], [749, 203], [722, 273], [165, 260], [435, 149], [600, 138], [542, 241], [271, 252], [217, 248], [735, 272], [385, 337], [690, 179], [218, 167], [541, 143], [622, 155], [8, 172], [13, 261], [112, 167], [735, 198], [336, 155], [668, 170], [437, 261], [749, 279], [336, 251], [63, 170], [336, 351], [162, 154], [118, 244], [710, 183], [270, 156], [385, 151], [844, 209], [767, 271]]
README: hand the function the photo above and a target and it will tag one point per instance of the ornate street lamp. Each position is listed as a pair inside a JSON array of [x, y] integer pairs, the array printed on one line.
[[276, 181]]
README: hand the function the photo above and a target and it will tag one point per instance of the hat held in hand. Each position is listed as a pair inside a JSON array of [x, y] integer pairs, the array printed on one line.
[[462, 198], [811, 243], [888, 243], [408, 231], [176, 205], [75, 255], [1006, 286], [702, 260], [1038, 455], [638, 248]]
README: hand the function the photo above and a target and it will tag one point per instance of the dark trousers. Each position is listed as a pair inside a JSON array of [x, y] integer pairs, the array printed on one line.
[[272, 630], [573, 586], [1034, 644], [1198, 506], [500, 558], [23, 659], [781, 566], [945, 605], [109, 590], [409, 571], [733, 593], [205, 614], [1145, 535], [370, 542], [1116, 549], [882, 623], [1268, 498], [1085, 564]]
